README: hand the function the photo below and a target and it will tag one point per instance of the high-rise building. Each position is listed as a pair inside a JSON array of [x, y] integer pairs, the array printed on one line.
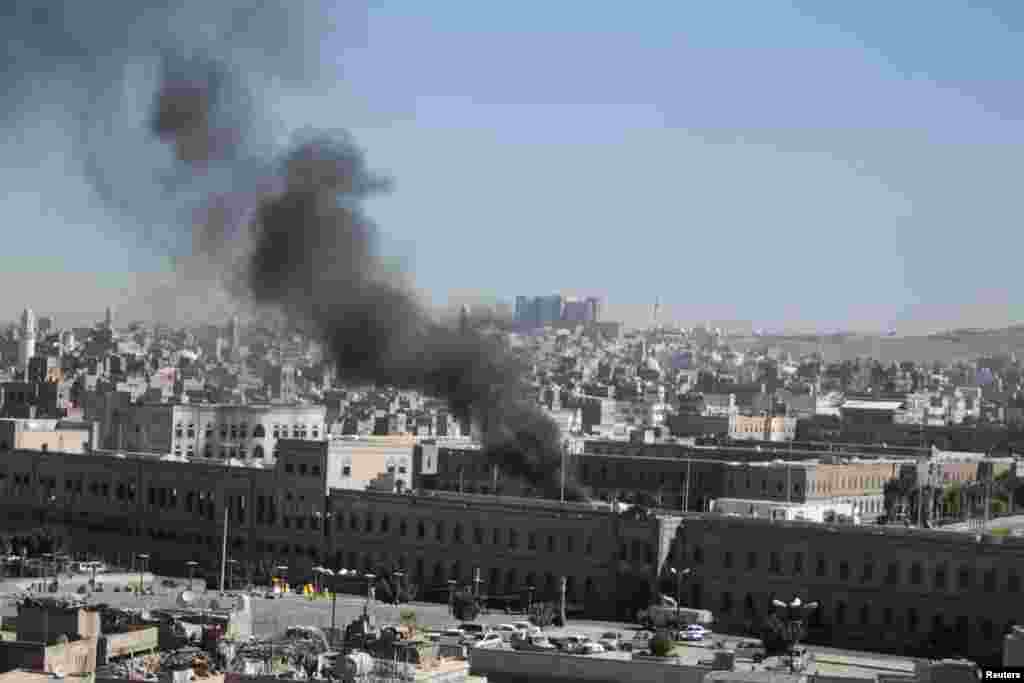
[[550, 309], [44, 326], [108, 319], [542, 311], [526, 311], [575, 311]]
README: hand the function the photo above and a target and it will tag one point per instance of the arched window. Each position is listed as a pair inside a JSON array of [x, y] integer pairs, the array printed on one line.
[[421, 529], [258, 432], [257, 452]]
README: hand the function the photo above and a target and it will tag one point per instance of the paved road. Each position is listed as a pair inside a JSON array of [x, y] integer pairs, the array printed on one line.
[[1013, 523], [273, 616]]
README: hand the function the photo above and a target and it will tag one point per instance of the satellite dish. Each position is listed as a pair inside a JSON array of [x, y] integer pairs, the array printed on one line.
[[186, 598]]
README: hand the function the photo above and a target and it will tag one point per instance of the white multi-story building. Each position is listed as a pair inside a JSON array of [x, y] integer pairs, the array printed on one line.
[[213, 431]]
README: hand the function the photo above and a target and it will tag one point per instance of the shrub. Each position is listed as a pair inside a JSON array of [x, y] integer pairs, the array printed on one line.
[[543, 614], [661, 646], [407, 618], [465, 606]]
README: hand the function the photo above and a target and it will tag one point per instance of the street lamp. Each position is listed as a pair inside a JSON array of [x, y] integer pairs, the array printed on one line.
[[334, 591], [792, 614], [191, 564], [398, 574], [681, 575], [529, 599], [143, 559], [451, 597], [369, 592], [231, 574]]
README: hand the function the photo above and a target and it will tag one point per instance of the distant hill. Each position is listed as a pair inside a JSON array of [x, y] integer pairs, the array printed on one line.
[[955, 345]]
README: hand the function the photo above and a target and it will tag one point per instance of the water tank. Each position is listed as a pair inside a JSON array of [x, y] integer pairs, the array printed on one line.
[[357, 664]]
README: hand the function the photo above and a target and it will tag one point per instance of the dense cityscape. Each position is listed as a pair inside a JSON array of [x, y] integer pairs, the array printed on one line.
[[297, 444], [761, 473]]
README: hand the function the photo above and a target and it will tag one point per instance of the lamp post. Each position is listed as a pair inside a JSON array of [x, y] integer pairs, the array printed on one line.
[[681, 575], [529, 599], [793, 614], [334, 594], [143, 559], [451, 597], [231, 574], [398, 574], [369, 592], [191, 564]]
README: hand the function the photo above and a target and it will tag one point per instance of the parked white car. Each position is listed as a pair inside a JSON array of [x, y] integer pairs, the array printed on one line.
[[506, 631], [693, 633], [588, 647], [489, 640], [610, 641]]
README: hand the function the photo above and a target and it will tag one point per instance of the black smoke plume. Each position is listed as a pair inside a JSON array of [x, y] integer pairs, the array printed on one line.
[[287, 231], [315, 256]]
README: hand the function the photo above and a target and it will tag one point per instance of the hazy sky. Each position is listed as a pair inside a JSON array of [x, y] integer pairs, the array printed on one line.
[[812, 164]]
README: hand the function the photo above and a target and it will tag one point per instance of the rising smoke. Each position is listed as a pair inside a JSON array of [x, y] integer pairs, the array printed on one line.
[[284, 231]]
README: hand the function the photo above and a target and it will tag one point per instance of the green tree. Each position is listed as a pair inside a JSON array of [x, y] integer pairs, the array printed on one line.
[[952, 499], [543, 614], [407, 618], [661, 646], [465, 606]]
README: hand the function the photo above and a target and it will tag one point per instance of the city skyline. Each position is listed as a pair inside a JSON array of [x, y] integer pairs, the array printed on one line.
[[833, 126]]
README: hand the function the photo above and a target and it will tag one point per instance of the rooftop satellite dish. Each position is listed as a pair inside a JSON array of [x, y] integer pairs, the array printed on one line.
[[186, 598]]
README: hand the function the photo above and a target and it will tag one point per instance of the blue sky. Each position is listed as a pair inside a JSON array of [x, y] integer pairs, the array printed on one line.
[[809, 164]]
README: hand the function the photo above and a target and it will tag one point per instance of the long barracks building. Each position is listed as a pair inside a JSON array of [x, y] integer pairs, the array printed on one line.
[[878, 587]]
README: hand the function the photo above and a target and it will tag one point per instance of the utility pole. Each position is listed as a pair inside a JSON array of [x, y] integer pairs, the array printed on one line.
[[224, 550], [564, 449], [562, 601], [686, 492]]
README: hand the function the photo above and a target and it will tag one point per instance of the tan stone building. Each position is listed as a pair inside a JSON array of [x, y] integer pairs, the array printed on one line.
[[212, 431], [879, 588]]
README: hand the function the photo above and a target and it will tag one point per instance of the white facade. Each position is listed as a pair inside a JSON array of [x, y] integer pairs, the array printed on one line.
[[767, 509], [214, 431]]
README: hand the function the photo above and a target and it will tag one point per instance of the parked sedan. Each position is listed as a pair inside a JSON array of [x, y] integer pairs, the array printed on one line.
[[640, 642], [488, 640], [610, 641], [588, 647], [693, 633], [506, 631]]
